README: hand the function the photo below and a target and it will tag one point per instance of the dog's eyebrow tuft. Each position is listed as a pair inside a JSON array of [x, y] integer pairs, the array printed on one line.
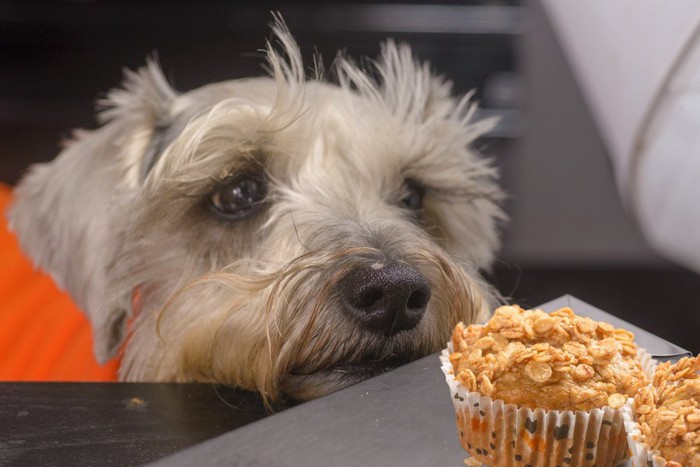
[[154, 150], [164, 133]]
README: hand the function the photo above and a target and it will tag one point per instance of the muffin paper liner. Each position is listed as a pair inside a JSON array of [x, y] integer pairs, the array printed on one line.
[[500, 434]]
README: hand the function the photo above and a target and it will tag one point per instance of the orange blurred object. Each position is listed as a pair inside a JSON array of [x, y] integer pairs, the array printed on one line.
[[43, 334]]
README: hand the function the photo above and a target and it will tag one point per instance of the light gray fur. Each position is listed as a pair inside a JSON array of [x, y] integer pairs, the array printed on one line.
[[254, 303]]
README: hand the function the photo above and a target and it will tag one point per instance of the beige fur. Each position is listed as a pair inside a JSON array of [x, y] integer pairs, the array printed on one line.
[[122, 219]]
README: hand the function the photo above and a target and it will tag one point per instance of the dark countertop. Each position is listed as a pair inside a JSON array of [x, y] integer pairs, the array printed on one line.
[[114, 423], [403, 417]]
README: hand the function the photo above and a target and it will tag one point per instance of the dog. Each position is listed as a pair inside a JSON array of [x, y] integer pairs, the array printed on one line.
[[285, 234]]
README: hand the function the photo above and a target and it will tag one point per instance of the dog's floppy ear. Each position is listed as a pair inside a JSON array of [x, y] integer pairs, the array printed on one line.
[[67, 213]]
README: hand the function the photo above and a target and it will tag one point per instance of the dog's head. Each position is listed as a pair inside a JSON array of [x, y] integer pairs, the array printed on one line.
[[281, 234]]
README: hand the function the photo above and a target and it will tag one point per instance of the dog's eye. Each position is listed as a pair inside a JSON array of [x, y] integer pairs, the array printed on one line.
[[414, 196], [238, 196]]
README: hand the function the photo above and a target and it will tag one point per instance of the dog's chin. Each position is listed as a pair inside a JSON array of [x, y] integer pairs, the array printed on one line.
[[303, 386]]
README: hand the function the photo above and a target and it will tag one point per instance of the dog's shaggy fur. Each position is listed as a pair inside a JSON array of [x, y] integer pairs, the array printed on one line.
[[212, 235]]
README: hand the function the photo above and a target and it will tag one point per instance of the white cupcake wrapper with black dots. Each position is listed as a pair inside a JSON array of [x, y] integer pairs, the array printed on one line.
[[500, 434]]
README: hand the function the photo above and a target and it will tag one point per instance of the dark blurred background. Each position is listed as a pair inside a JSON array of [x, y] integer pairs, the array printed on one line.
[[568, 233]]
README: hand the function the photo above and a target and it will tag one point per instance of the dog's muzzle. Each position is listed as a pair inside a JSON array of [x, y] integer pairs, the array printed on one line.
[[385, 298]]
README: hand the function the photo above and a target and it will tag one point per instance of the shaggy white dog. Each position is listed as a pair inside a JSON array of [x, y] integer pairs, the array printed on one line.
[[281, 234]]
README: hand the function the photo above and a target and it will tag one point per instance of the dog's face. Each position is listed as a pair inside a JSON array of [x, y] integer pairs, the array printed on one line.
[[283, 235]]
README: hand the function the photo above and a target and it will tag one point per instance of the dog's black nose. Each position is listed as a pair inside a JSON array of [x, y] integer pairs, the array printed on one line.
[[386, 298]]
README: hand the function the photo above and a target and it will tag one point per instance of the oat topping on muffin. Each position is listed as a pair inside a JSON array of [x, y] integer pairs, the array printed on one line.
[[668, 412], [556, 361]]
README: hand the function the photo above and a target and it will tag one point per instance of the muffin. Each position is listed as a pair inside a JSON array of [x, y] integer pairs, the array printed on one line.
[[667, 416], [544, 388]]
